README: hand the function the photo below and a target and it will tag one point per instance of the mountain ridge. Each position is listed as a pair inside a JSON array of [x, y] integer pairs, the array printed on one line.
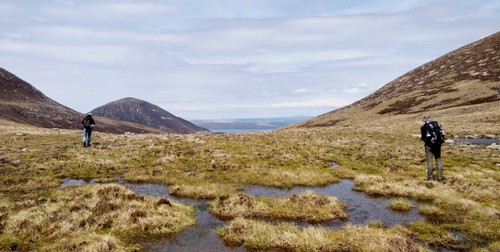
[[142, 112]]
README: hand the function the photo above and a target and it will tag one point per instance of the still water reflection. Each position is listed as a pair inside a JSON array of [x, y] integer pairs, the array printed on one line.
[[203, 237]]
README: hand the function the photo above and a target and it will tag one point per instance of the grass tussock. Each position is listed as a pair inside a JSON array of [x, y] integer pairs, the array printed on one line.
[[401, 205], [307, 206], [261, 235], [78, 212], [89, 242], [434, 235]]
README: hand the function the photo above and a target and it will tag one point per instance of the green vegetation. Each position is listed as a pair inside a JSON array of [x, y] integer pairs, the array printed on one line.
[[35, 214]]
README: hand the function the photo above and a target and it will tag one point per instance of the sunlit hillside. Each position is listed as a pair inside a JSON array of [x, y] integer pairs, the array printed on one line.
[[461, 89]]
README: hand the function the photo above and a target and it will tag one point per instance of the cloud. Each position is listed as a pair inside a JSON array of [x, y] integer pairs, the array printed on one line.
[[110, 12], [300, 91], [262, 57], [357, 89], [319, 102]]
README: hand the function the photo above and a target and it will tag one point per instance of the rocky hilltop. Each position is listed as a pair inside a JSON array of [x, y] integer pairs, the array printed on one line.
[[463, 82], [142, 112]]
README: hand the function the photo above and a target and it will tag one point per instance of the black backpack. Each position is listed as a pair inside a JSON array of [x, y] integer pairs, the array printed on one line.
[[434, 134], [86, 122]]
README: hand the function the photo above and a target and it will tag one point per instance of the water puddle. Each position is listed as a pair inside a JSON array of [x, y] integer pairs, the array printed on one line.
[[76, 182], [477, 141], [203, 237], [361, 207], [200, 237]]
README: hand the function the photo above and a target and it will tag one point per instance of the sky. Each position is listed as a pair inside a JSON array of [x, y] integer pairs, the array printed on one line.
[[221, 59]]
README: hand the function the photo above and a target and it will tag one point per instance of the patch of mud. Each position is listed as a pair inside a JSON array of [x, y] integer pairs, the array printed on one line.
[[361, 208]]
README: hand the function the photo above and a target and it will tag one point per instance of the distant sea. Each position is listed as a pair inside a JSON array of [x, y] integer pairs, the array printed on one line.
[[240, 130]]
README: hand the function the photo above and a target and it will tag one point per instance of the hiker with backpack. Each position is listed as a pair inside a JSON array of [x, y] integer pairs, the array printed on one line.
[[432, 134], [88, 125]]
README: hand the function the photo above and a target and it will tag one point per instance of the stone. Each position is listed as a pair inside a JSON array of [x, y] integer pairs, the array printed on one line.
[[493, 146]]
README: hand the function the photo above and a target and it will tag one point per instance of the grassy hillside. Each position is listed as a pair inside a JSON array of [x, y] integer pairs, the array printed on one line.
[[461, 88]]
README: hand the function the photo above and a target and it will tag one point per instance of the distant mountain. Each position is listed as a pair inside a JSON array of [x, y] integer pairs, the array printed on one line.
[[142, 112], [22, 103], [460, 80], [248, 124]]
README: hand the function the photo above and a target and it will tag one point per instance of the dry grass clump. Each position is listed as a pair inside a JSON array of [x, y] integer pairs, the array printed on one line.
[[87, 242], [307, 206], [433, 235], [401, 204], [444, 205], [76, 212], [261, 235], [202, 191]]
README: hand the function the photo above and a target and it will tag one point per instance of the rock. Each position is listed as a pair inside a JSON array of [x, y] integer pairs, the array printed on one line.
[[333, 165], [16, 162], [24, 149], [490, 136], [493, 146], [449, 141]]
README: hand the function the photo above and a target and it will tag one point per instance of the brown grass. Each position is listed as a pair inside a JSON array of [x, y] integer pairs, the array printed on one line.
[[78, 212], [307, 206], [261, 235]]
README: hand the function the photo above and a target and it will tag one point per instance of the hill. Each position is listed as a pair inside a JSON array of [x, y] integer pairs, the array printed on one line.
[[142, 112], [461, 87], [21, 102]]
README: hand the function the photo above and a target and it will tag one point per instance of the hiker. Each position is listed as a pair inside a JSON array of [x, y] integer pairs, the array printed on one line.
[[433, 136], [88, 125]]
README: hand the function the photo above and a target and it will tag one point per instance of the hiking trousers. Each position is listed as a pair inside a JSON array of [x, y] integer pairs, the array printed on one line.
[[87, 134], [435, 152]]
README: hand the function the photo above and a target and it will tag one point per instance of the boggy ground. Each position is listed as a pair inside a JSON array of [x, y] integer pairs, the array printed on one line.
[[33, 163]]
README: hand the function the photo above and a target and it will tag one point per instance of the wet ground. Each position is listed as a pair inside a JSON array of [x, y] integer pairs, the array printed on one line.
[[203, 237], [361, 207], [477, 141]]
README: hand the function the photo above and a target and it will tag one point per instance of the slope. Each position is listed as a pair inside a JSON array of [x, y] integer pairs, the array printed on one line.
[[21, 102], [461, 87]]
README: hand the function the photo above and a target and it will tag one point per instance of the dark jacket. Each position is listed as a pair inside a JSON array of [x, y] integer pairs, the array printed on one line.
[[88, 121]]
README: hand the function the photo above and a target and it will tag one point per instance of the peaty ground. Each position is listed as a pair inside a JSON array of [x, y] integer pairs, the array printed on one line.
[[34, 161]]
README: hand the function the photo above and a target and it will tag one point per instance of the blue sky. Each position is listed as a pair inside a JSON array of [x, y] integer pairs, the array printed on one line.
[[230, 58]]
